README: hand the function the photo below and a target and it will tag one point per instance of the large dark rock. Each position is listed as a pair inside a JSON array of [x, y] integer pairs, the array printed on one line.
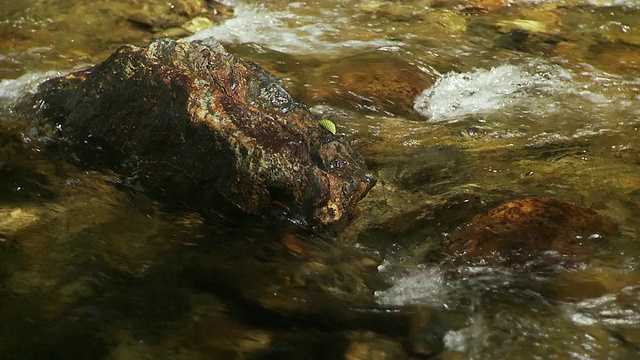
[[208, 128]]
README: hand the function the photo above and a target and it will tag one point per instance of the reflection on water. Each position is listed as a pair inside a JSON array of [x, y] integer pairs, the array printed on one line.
[[461, 106]]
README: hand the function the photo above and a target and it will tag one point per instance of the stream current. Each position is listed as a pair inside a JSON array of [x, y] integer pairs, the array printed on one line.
[[457, 106]]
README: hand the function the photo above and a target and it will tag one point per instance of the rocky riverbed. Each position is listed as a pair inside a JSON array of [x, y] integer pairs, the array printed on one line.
[[503, 135]]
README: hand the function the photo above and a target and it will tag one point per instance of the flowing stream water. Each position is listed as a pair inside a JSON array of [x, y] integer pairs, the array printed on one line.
[[457, 106]]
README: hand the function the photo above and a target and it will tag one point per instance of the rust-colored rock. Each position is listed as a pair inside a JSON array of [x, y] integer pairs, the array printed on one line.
[[521, 228], [207, 128], [371, 82]]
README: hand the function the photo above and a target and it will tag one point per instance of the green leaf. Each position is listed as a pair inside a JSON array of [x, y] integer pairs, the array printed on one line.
[[328, 125]]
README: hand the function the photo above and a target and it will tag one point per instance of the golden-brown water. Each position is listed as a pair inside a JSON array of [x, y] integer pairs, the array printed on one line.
[[456, 105]]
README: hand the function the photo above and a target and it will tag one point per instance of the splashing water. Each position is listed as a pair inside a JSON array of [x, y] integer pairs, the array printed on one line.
[[424, 286], [11, 89], [456, 95], [610, 309], [271, 29]]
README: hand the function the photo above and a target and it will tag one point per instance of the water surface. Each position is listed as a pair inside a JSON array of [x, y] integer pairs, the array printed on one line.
[[537, 98]]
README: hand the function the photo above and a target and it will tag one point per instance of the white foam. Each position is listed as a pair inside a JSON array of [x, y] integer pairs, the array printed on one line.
[[610, 309], [456, 340], [425, 286], [471, 339], [583, 319], [11, 89], [456, 95], [274, 30]]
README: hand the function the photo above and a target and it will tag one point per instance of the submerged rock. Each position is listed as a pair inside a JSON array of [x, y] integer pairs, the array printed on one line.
[[616, 58], [520, 229], [45, 35], [208, 129], [589, 283], [387, 84], [487, 5], [157, 15], [366, 345]]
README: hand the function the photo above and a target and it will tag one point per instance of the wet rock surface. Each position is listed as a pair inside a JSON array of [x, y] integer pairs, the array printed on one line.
[[206, 128], [520, 229]]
